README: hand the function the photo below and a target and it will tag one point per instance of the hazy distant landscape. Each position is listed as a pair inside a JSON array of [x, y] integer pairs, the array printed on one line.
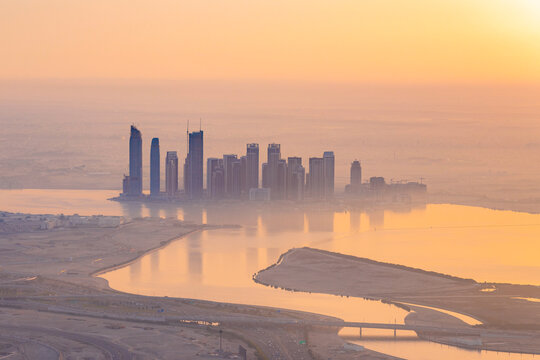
[[466, 142], [270, 180]]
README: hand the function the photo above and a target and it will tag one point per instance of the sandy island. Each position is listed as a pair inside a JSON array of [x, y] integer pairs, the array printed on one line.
[[510, 323]]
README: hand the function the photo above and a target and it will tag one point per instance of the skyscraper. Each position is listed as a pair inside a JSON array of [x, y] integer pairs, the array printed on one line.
[[135, 162], [274, 156], [215, 177], [211, 165], [252, 166], [228, 172], [193, 169], [244, 190], [154, 167], [265, 179], [329, 161], [356, 176], [236, 175], [316, 178], [171, 173], [281, 186], [218, 181], [295, 178], [298, 183]]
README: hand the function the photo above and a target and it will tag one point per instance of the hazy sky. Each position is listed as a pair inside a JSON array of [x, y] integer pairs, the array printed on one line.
[[315, 40]]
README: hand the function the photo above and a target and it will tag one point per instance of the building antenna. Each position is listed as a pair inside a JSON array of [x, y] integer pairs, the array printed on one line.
[[200, 124], [187, 137]]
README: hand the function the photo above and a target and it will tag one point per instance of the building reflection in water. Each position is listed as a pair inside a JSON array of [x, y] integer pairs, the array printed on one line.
[[132, 209], [320, 221], [355, 221], [154, 263], [219, 214], [376, 218], [193, 214], [135, 271], [252, 260], [283, 220], [153, 209], [172, 211], [195, 259]]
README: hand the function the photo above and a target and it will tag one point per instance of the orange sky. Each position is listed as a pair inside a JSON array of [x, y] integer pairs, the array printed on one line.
[[317, 40]]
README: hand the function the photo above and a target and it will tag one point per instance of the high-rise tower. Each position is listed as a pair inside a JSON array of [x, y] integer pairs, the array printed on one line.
[[356, 176], [193, 169], [154, 167], [135, 162], [211, 165], [228, 172], [316, 178], [329, 163], [171, 173], [273, 171], [295, 178], [252, 166]]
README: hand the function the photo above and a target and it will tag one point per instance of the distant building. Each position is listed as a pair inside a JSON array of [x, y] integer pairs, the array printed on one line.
[[273, 179], [244, 190], [211, 165], [259, 194], [236, 178], [252, 166], [281, 187], [228, 168], [356, 177], [125, 185], [171, 173], [295, 178], [154, 167], [293, 166], [135, 163], [377, 183], [316, 178], [265, 179], [193, 168], [329, 165], [217, 181]]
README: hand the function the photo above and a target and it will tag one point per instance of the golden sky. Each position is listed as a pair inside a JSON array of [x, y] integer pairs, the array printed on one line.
[[388, 41]]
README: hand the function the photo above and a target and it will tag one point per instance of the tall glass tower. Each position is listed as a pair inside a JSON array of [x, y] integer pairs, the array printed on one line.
[[135, 162], [252, 166], [193, 176], [329, 164], [154, 167]]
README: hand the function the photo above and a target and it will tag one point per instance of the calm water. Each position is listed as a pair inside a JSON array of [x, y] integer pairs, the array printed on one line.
[[217, 265]]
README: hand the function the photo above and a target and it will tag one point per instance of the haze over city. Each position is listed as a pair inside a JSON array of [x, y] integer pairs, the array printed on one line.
[[270, 180]]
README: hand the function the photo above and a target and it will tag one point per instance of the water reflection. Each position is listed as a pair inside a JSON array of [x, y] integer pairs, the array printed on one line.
[[355, 221], [217, 265], [154, 263], [320, 221], [376, 218], [195, 258], [133, 209]]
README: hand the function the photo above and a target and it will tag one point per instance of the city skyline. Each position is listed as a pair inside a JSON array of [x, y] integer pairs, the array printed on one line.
[[236, 177], [227, 177], [360, 184]]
